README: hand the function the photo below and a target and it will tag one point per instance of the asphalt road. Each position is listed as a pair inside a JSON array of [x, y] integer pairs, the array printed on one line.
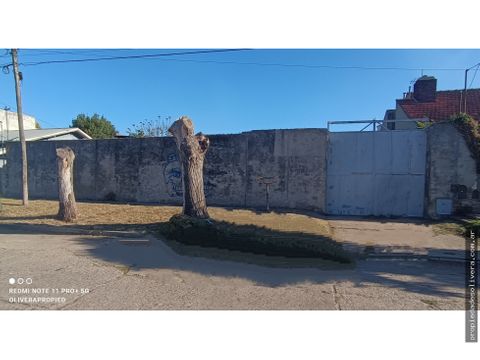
[[110, 273]]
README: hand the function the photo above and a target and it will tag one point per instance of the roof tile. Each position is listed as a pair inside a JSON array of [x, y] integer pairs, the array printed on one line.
[[446, 104]]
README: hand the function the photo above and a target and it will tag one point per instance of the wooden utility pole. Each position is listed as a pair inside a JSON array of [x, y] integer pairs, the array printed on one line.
[[20, 126]]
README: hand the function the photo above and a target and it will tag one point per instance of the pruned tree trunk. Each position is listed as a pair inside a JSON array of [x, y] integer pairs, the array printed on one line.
[[68, 208], [192, 149]]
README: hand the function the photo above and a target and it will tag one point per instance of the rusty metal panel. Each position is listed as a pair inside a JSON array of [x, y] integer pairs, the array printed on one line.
[[376, 173]]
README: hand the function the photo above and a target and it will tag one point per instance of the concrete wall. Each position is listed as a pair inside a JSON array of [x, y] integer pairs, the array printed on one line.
[[450, 163], [148, 170]]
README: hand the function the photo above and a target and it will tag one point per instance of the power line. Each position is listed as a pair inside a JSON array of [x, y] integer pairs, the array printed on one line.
[[291, 65], [474, 75], [13, 109], [76, 52], [159, 55], [143, 56], [33, 53], [25, 53], [315, 66], [109, 58], [46, 122], [155, 56]]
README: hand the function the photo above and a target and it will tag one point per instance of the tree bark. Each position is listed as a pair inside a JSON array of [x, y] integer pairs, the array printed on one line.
[[67, 208], [192, 150]]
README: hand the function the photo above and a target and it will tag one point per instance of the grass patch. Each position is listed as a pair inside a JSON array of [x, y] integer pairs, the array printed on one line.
[[449, 228], [102, 216], [253, 239], [472, 225], [105, 216]]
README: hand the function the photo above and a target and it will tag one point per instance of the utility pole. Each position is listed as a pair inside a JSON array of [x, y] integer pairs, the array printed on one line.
[[465, 89], [20, 126], [465, 93]]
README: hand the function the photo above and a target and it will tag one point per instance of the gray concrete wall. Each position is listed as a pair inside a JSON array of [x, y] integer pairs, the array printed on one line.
[[450, 163], [148, 170]]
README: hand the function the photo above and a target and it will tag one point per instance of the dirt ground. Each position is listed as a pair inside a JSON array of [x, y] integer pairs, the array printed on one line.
[[355, 233], [92, 214], [130, 215]]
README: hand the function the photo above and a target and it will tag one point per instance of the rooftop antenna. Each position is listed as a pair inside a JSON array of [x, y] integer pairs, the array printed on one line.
[[409, 96]]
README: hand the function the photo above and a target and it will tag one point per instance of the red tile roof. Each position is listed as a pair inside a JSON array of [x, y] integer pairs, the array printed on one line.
[[446, 104]]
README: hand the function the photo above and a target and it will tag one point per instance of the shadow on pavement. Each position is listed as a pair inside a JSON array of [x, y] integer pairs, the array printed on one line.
[[422, 277]]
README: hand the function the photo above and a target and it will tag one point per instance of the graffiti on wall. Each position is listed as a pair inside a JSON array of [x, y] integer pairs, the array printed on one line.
[[172, 174]]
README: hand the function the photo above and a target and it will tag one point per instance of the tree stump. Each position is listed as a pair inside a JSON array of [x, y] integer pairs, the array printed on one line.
[[68, 208], [192, 150]]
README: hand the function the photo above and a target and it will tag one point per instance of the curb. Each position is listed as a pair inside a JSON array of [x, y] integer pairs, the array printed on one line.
[[392, 253], [418, 257], [67, 230]]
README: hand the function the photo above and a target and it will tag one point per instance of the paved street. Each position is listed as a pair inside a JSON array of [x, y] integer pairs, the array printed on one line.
[[98, 272]]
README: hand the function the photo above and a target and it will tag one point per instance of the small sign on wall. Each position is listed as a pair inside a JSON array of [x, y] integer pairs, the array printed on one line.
[[444, 206]]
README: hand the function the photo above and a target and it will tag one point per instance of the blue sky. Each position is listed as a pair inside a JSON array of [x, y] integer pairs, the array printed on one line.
[[226, 97]]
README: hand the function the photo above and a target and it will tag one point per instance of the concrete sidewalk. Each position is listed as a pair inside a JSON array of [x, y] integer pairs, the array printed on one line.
[[140, 272], [396, 239]]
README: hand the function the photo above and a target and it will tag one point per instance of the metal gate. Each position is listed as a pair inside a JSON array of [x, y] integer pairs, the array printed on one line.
[[378, 173]]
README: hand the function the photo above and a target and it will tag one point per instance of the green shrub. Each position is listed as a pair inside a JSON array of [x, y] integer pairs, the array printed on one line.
[[423, 124], [252, 239]]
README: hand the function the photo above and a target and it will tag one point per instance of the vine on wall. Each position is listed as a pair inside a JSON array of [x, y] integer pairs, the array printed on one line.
[[470, 130]]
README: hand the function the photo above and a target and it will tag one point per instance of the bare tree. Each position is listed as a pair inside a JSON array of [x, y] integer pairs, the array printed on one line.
[[192, 150], [68, 208], [151, 128]]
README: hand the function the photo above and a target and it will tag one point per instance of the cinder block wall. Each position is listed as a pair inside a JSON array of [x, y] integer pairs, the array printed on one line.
[[148, 170], [450, 162]]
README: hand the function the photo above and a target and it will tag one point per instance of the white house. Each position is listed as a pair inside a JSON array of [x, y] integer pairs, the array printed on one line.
[[9, 131], [9, 121], [33, 132]]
